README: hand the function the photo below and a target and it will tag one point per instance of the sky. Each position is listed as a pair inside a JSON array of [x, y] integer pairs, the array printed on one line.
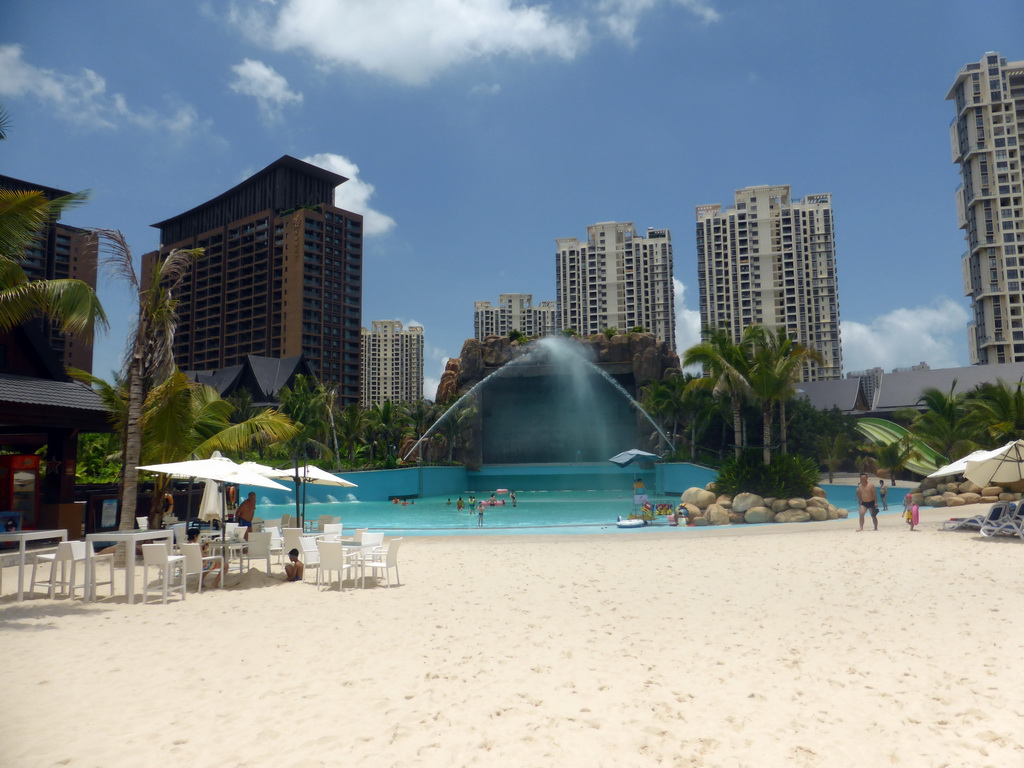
[[477, 132]]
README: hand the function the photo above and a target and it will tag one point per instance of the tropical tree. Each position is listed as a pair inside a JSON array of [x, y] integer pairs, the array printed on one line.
[[453, 425], [420, 417], [894, 456], [387, 424], [944, 424], [997, 410], [727, 369], [777, 364], [71, 304], [833, 451], [149, 360], [351, 429]]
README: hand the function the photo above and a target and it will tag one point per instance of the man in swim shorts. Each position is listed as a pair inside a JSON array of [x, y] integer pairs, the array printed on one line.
[[867, 501]]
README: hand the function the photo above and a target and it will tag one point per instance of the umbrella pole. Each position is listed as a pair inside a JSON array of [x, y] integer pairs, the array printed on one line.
[[298, 513]]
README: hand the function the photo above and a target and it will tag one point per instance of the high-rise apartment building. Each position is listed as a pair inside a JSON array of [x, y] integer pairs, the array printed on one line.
[[771, 260], [282, 275], [616, 279], [514, 312], [392, 363], [986, 135], [59, 252]]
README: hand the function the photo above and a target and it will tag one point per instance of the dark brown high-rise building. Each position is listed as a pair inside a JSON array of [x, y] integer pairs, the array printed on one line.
[[59, 252], [281, 276]]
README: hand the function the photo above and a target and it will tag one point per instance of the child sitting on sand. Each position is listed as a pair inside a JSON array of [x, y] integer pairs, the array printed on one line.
[[293, 570]]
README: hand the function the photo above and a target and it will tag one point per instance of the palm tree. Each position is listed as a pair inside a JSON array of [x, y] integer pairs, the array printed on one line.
[[833, 451], [997, 410], [777, 365], [351, 428], [305, 403], [149, 360], [894, 456], [727, 369], [420, 415], [387, 423], [453, 425], [944, 424]]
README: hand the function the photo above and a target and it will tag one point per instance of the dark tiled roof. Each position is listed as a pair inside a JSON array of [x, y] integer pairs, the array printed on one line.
[[222, 380], [54, 394], [844, 394], [273, 373], [901, 390]]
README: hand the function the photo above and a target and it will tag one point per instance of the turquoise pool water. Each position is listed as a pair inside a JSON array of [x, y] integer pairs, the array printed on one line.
[[537, 512]]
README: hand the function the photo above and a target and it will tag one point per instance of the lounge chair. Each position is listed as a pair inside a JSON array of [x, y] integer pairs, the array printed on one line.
[[1012, 523], [994, 515]]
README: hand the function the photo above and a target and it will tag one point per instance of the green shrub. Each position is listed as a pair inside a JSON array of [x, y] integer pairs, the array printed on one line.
[[786, 477]]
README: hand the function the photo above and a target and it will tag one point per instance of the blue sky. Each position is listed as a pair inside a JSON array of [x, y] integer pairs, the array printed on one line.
[[476, 132]]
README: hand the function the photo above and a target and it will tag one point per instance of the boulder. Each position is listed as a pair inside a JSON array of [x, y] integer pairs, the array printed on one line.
[[843, 513], [968, 487], [991, 490], [700, 521], [617, 349], [1006, 496], [724, 501], [736, 518], [758, 515], [792, 516], [832, 513], [942, 487], [819, 492], [744, 501], [971, 498], [817, 501], [796, 503], [698, 497], [935, 501], [817, 513], [954, 487], [989, 499], [956, 501], [716, 515], [779, 504], [929, 492]]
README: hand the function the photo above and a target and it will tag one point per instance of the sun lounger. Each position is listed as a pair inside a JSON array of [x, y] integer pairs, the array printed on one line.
[[1011, 523], [995, 514]]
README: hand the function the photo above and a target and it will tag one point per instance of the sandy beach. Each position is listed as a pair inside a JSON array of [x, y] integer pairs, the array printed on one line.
[[788, 645]]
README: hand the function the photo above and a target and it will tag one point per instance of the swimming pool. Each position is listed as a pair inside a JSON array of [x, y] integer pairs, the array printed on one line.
[[537, 512]]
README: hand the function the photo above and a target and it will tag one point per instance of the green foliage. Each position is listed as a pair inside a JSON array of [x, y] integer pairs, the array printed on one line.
[[569, 332], [516, 335], [638, 329], [786, 477], [609, 332]]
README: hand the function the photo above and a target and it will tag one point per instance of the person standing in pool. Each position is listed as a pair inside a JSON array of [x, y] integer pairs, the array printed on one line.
[[512, 496], [480, 515], [460, 504], [883, 492]]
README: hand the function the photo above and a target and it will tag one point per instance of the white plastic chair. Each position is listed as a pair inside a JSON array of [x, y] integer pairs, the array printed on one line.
[[333, 557], [258, 549], [332, 531], [73, 552], [180, 535], [196, 564], [268, 524], [291, 538], [385, 561], [156, 555], [276, 542], [310, 554], [286, 522]]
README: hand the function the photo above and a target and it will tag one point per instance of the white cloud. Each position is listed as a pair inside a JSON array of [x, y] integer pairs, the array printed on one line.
[[412, 41], [934, 334], [687, 321], [354, 195], [262, 82], [486, 90], [83, 98], [622, 16]]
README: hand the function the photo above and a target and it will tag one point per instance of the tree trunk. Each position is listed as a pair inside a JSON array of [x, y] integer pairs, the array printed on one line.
[[132, 455], [737, 429], [766, 434], [783, 432]]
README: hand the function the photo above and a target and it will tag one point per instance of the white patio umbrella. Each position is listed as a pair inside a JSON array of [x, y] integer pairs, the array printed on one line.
[[1003, 465], [211, 505], [219, 469], [957, 467], [633, 454]]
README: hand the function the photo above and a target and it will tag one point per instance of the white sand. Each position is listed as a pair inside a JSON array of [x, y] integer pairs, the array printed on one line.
[[796, 645]]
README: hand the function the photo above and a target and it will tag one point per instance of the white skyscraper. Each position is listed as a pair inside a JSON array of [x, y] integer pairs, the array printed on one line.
[[771, 260], [514, 312], [616, 279], [391, 363], [986, 135]]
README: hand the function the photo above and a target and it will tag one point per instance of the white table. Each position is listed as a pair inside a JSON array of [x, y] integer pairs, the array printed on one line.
[[23, 537], [131, 539]]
